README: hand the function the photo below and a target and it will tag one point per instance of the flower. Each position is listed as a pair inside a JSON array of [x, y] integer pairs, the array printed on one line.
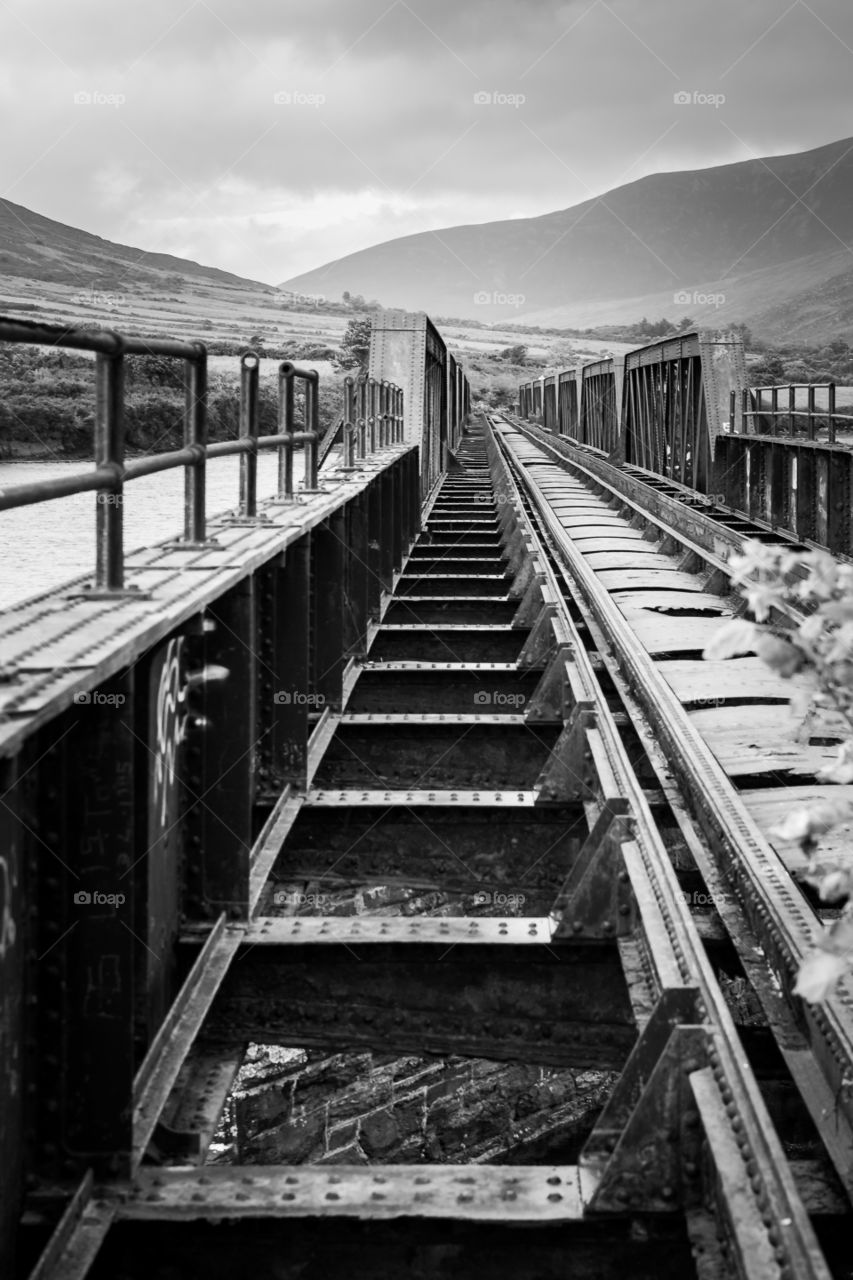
[[818, 974]]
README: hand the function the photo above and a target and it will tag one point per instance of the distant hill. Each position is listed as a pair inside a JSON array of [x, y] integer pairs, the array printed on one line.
[[36, 248], [771, 236]]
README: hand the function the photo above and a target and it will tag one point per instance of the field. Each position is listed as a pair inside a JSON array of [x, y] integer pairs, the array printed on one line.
[[46, 401]]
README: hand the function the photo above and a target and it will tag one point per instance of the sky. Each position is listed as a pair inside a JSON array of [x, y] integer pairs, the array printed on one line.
[[266, 137]]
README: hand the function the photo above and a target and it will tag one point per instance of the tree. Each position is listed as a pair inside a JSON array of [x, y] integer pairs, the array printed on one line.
[[355, 344], [514, 355], [745, 334]]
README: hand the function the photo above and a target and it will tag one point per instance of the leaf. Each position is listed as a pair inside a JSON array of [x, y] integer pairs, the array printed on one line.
[[807, 821], [735, 637], [842, 770], [834, 887], [762, 597], [780, 656], [811, 629], [838, 939], [818, 974]]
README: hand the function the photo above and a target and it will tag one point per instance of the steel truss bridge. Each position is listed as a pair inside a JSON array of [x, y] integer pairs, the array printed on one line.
[[464, 654]]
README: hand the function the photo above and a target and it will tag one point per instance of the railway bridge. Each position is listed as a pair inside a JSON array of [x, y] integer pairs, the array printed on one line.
[[456, 672]]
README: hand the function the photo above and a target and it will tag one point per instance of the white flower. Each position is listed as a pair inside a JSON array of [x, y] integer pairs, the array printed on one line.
[[818, 974]]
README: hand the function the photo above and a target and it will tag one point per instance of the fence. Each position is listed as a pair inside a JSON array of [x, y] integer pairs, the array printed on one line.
[[113, 470]]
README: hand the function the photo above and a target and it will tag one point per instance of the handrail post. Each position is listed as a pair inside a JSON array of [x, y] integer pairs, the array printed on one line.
[[401, 425], [249, 373], [830, 413], [371, 413], [285, 428], [349, 425], [195, 437], [312, 426], [383, 414], [361, 416], [109, 452]]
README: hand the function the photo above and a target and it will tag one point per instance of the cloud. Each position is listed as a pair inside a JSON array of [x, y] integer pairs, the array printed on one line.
[[377, 131]]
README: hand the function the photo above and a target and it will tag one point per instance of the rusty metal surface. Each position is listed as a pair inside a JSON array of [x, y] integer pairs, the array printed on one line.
[[547, 1193], [54, 648], [669, 924]]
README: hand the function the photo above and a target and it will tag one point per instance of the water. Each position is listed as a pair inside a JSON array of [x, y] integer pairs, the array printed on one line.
[[44, 546]]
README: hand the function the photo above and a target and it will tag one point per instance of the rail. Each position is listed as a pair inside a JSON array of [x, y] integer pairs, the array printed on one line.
[[113, 470]]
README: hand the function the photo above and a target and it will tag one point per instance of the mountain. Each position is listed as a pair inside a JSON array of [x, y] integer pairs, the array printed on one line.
[[36, 248], [771, 236]]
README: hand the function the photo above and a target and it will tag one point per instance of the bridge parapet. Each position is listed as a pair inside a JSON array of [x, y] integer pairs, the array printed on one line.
[[113, 470], [407, 349], [787, 460], [152, 732], [661, 406]]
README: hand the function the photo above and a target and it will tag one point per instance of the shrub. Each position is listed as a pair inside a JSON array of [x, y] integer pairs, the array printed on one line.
[[820, 648]]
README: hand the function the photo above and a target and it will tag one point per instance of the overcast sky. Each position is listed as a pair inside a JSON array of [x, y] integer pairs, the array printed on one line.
[[377, 131]]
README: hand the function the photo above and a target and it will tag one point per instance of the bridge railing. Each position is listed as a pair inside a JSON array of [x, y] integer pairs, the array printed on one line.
[[113, 470], [787, 460], [659, 407]]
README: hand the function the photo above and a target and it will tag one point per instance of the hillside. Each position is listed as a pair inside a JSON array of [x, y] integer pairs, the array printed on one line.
[[769, 235], [38, 248]]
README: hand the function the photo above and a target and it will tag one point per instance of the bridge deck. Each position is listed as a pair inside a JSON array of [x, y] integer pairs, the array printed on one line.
[[558, 856]]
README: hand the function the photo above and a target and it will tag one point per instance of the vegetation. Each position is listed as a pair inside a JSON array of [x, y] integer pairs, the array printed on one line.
[[820, 652], [47, 401], [355, 345]]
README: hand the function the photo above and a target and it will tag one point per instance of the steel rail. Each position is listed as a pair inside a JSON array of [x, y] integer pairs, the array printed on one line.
[[784, 924], [679, 956]]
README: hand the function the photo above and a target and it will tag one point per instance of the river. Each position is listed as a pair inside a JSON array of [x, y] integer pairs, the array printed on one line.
[[45, 545]]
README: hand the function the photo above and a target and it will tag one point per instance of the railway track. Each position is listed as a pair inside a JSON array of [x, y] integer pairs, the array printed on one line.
[[510, 738]]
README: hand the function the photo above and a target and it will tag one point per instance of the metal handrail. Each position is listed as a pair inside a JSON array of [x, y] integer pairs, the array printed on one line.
[[371, 409], [112, 471], [742, 416]]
